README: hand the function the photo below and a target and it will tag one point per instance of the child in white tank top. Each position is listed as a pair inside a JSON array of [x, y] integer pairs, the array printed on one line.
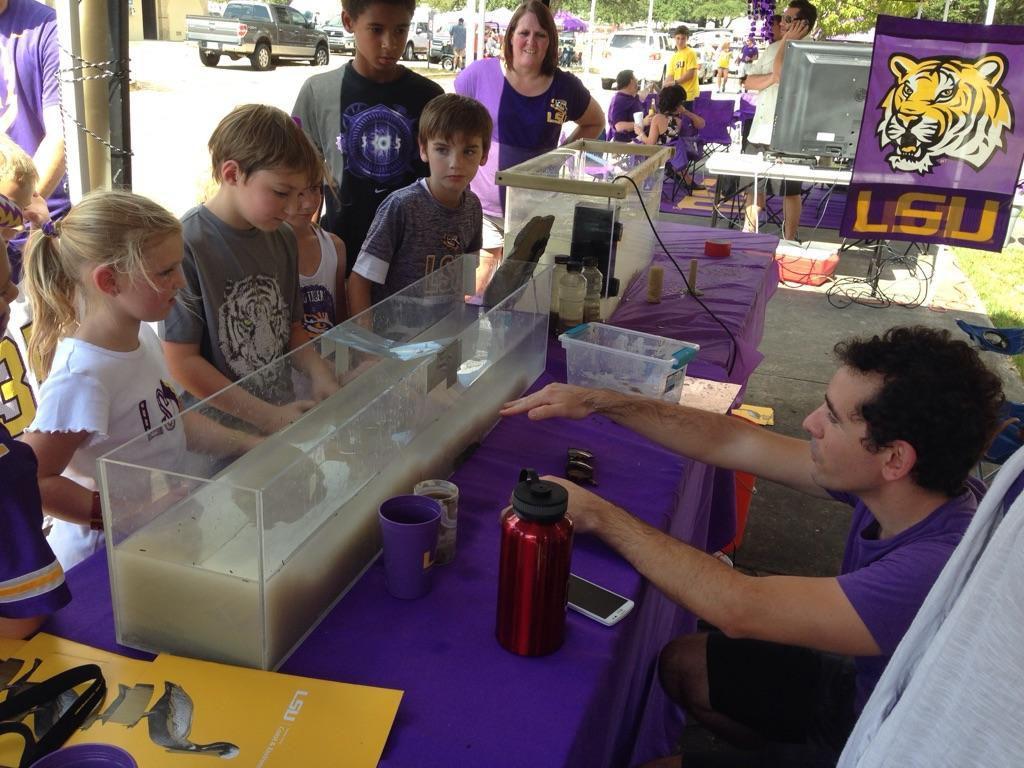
[[321, 266]]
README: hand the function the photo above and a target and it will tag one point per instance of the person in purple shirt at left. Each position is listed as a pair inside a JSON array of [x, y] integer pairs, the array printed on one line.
[[624, 105], [31, 580], [529, 99], [905, 418], [30, 101]]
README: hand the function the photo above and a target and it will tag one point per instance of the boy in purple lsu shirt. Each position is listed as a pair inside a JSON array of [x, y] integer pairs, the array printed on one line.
[[31, 580], [904, 419], [30, 101]]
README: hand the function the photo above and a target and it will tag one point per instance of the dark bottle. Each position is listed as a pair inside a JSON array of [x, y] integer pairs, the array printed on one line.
[[561, 267], [533, 575]]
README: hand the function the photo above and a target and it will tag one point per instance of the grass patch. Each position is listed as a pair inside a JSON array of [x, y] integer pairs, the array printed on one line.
[[999, 280]]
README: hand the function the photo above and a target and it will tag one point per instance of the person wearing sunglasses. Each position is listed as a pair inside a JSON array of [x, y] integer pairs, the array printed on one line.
[[763, 76], [795, 658]]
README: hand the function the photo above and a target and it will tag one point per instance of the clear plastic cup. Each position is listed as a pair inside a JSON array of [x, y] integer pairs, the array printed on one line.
[[447, 495]]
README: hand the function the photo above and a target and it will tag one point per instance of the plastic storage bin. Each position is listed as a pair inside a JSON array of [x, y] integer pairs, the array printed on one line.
[[601, 355], [236, 559]]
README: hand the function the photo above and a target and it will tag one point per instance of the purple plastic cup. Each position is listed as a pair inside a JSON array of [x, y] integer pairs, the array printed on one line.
[[87, 756], [408, 526]]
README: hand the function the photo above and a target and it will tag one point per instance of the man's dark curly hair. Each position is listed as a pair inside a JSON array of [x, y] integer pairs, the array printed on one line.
[[936, 394]]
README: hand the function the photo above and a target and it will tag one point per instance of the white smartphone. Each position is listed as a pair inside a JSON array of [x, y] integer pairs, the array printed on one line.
[[600, 604]]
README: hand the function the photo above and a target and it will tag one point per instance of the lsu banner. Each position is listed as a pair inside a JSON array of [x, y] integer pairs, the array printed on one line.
[[940, 147]]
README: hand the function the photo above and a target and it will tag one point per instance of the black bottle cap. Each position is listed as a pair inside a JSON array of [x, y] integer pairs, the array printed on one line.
[[562, 258], [539, 500], [590, 261]]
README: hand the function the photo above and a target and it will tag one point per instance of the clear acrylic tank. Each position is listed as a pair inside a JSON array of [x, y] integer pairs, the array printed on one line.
[[237, 560], [588, 189]]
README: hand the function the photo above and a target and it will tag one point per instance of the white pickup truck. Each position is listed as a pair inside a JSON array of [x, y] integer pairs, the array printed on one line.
[[262, 32]]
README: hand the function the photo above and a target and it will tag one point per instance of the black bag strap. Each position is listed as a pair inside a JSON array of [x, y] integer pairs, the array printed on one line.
[[46, 691]]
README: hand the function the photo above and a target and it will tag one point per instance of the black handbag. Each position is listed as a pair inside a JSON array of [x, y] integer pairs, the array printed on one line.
[[47, 692]]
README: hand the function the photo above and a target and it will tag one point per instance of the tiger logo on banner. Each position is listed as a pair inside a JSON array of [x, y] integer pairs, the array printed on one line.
[[939, 156], [944, 106]]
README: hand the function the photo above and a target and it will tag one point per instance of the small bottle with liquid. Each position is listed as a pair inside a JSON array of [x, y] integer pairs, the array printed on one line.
[[592, 301], [572, 292], [561, 264]]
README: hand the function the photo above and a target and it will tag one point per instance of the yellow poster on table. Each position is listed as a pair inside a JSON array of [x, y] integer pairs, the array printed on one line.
[[178, 713], [8, 648]]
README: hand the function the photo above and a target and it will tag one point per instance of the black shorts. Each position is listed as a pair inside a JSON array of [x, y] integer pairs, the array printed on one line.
[[800, 701], [783, 187]]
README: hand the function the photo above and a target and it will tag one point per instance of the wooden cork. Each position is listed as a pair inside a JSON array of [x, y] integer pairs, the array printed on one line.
[[694, 291], [655, 281]]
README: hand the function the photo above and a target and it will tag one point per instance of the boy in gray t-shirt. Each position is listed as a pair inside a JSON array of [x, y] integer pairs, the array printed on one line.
[[420, 228], [242, 310]]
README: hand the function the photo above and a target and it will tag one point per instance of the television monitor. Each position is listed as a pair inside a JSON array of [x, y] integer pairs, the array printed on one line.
[[821, 98]]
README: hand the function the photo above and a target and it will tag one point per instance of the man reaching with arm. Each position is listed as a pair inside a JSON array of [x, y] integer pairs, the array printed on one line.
[[896, 438]]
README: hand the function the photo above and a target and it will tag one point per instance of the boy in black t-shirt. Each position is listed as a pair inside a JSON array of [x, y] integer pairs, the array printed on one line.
[[363, 117]]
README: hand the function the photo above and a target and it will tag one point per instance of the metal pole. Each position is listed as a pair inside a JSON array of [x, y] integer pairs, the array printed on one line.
[[590, 34], [479, 52], [945, 11], [650, 20], [990, 12], [96, 96], [120, 113], [76, 151]]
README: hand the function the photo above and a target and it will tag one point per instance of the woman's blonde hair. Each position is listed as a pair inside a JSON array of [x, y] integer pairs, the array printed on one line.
[[107, 228]]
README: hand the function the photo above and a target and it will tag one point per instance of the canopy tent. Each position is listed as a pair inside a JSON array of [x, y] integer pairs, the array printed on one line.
[[570, 23], [499, 16]]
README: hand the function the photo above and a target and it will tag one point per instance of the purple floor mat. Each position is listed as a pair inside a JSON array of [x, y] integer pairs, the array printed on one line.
[[817, 210]]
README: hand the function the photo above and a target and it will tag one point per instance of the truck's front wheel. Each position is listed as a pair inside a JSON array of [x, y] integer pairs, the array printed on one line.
[[209, 58], [321, 57], [410, 52], [261, 57]]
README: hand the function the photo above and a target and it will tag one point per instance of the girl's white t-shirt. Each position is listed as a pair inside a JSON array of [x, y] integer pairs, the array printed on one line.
[[115, 396]]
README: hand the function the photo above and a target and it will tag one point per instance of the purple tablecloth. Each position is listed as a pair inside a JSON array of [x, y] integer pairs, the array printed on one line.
[[736, 289], [596, 701]]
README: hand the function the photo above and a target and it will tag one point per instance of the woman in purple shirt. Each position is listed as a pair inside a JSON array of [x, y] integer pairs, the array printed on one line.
[[529, 99]]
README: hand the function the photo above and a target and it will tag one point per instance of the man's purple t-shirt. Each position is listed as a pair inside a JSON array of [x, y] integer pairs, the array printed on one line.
[[524, 126], [621, 109], [31, 579], [886, 580], [29, 84]]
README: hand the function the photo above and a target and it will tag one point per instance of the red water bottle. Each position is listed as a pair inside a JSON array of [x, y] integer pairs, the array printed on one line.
[[533, 577]]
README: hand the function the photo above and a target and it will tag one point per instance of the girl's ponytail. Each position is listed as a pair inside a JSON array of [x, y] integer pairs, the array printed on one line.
[[51, 291]]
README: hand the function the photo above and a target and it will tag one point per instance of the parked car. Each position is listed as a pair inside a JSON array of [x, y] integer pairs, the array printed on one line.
[[419, 41], [646, 54], [339, 38], [262, 32]]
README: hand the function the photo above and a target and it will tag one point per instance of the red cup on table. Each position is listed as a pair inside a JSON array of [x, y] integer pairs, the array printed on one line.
[[718, 248]]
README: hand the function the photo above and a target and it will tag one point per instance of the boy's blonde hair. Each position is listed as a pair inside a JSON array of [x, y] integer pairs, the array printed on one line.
[[16, 168], [106, 228], [448, 115], [260, 137]]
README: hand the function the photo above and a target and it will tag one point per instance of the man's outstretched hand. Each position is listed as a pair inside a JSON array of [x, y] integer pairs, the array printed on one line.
[[555, 401]]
